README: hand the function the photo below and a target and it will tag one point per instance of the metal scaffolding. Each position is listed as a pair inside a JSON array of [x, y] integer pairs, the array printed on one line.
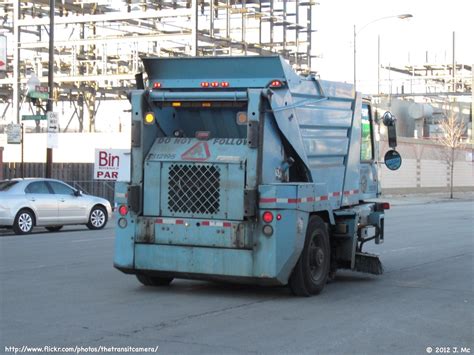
[[434, 80], [98, 43]]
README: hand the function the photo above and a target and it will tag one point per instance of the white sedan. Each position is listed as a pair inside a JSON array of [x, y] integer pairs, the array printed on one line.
[[49, 203]]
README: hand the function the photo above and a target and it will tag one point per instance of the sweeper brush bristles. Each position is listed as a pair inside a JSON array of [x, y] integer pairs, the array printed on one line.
[[368, 263]]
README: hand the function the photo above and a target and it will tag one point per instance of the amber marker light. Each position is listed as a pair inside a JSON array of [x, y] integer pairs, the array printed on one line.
[[241, 118], [149, 118]]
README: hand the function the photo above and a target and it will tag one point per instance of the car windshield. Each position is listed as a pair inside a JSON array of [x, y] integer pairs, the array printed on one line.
[[5, 185]]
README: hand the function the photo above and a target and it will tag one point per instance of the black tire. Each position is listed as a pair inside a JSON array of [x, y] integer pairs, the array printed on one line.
[[154, 280], [311, 271], [54, 228], [24, 222], [97, 218]]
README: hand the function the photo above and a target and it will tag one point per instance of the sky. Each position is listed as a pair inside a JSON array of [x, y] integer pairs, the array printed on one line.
[[402, 41]]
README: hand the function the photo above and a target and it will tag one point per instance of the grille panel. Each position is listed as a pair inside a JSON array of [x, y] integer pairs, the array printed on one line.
[[194, 188]]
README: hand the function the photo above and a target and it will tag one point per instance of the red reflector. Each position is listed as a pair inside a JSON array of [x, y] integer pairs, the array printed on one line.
[[267, 217], [123, 210], [225, 84], [214, 84], [276, 84], [156, 85], [385, 205], [278, 217], [202, 135], [205, 84]]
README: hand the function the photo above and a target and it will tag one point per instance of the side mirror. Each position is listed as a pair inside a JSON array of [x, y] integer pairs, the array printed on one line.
[[389, 121], [77, 193], [393, 160]]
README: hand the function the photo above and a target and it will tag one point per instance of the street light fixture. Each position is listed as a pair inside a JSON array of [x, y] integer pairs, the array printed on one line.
[[357, 31]]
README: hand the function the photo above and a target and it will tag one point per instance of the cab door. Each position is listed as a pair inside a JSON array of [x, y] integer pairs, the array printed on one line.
[[43, 202], [369, 184]]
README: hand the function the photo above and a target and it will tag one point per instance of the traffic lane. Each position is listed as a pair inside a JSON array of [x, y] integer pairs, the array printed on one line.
[[417, 234], [99, 305], [355, 315], [43, 249], [68, 287]]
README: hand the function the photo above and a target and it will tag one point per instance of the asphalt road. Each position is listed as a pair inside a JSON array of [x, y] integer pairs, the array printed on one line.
[[60, 289]]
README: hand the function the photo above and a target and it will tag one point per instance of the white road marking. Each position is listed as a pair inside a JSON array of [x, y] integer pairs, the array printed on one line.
[[397, 250], [90, 239]]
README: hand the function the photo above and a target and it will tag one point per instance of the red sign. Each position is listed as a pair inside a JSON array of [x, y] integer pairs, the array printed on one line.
[[198, 152]]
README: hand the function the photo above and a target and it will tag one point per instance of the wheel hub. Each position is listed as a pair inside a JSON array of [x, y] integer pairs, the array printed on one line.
[[316, 258], [25, 222], [97, 218]]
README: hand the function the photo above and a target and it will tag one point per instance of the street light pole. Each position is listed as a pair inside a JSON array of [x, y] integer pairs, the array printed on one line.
[[356, 32], [49, 105], [355, 58], [378, 65]]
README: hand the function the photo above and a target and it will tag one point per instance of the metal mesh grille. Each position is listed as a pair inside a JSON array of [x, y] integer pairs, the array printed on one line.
[[194, 188]]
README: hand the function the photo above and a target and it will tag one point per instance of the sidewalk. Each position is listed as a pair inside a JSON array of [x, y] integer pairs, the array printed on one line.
[[425, 198]]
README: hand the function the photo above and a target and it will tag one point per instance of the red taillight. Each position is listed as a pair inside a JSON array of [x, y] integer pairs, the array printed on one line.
[[214, 84], [267, 217], [205, 84], [123, 210], [278, 217], [276, 84], [225, 84], [156, 85], [385, 205]]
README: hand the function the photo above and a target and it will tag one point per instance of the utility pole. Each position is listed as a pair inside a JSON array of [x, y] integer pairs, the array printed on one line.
[[378, 65], [49, 106], [454, 86], [16, 62]]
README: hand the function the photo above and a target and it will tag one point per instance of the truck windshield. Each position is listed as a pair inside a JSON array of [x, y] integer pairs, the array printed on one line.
[[366, 151], [220, 122]]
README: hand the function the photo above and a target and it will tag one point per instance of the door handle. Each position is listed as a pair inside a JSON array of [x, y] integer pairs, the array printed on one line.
[[32, 199], [62, 200]]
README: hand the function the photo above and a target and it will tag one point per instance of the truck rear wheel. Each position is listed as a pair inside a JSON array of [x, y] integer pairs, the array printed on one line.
[[311, 271], [154, 280]]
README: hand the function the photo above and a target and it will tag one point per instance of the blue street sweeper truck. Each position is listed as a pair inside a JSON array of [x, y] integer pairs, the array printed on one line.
[[244, 171]]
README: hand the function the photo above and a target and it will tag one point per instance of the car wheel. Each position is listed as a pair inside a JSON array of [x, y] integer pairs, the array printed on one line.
[[154, 280], [54, 228], [24, 222], [97, 218], [311, 271]]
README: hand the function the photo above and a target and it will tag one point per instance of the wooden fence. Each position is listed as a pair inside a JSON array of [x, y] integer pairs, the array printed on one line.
[[78, 175]]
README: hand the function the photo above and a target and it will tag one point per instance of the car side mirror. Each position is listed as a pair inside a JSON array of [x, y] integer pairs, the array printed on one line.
[[77, 193]]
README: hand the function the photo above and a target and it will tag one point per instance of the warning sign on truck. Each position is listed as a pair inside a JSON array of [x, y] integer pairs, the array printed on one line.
[[112, 164]]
